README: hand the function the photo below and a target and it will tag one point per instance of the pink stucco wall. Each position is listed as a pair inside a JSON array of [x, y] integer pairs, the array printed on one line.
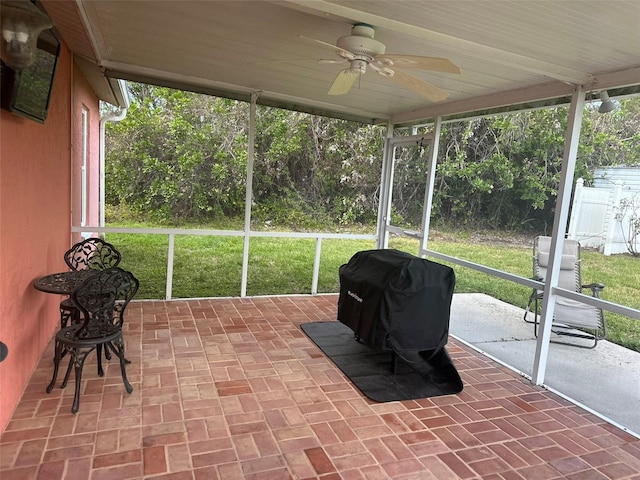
[[35, 218]]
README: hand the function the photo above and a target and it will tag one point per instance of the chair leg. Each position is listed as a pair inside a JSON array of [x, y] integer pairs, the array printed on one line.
[[69, 316], [526, 312], [118, 349], [532, 300], [78, 361], [65, 317], [67, 374], [107, 356], [99, 356], [56, 363]]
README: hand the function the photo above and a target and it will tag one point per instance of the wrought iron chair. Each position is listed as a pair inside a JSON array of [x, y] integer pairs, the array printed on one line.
[[570, 318], [101, 301], [89, 254]]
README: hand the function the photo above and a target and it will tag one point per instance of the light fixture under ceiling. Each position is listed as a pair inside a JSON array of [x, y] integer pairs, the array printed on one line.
[[607, 104], [22, 22]]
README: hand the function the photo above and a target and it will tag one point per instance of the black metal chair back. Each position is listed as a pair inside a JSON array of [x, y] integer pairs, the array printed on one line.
[[102, 300], [92, 253]]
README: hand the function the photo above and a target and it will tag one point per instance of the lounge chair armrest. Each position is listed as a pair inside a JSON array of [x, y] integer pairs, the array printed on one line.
[[596, 288]]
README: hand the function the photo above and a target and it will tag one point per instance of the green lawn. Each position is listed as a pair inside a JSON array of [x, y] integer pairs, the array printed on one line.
[[211, 267]]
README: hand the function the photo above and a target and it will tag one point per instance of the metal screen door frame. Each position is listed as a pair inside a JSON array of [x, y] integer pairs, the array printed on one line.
[[385, 227]]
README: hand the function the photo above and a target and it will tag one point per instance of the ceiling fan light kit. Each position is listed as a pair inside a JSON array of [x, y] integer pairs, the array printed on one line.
[[357, 66]]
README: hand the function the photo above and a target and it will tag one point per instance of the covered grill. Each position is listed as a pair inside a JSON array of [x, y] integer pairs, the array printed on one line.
[[396, 301]]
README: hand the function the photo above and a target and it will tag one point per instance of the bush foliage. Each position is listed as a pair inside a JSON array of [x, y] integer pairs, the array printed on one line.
[[181, 158]]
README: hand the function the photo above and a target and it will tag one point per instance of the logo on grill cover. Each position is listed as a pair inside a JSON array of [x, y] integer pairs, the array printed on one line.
[[354, 295]]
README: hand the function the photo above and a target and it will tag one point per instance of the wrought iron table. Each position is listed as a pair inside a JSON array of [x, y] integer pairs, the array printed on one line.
[[62, 283]]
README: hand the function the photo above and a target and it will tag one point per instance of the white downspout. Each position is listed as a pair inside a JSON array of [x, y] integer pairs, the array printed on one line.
[[111, 117]]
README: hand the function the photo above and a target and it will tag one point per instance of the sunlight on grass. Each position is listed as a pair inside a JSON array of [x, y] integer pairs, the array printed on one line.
[[207, 266], [509, 259], [279, 266], [146, 257], [336, 253]]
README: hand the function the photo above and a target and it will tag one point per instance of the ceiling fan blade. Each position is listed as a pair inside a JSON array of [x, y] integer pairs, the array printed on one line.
[[343, 82], [340, 51], [289, 60], [425, 89], [330, 61], [298, 60], [415, 61]]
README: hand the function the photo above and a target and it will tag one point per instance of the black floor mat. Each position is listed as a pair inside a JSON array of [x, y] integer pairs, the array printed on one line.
[[372, 370]]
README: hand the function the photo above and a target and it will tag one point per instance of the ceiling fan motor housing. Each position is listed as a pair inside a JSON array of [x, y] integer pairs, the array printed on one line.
[[361, 42]]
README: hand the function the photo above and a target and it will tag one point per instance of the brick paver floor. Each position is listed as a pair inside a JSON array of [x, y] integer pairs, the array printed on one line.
[[233, 389]]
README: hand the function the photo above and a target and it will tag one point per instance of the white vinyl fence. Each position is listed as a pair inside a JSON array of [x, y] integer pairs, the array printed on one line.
[[597, 220]]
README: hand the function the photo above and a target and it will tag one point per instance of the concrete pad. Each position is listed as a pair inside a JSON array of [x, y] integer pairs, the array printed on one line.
[[605, 379]]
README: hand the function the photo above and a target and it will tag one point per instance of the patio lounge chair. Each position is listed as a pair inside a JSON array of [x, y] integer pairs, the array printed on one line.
[[570, 318]]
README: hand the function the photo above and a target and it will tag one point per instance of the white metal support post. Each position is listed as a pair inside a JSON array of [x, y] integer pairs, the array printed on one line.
[[572, 139], [170, 262], [431, 180], [316, 267], [385, 188], [249, 192]]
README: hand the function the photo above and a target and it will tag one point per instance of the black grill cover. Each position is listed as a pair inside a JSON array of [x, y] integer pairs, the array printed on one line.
[[395, 300]]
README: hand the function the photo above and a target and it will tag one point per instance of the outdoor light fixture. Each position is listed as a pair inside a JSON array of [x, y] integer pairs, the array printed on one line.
[[22, 22], [607, 104]]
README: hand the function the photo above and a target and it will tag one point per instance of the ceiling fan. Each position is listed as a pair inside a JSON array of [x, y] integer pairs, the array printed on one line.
[[360, 49]]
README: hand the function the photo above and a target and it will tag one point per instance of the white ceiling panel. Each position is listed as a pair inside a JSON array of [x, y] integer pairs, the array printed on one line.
[[506, 50]]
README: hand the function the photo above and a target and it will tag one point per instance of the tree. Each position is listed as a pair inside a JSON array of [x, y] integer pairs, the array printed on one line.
[[178, 155], [628, 217], [182, 157]]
